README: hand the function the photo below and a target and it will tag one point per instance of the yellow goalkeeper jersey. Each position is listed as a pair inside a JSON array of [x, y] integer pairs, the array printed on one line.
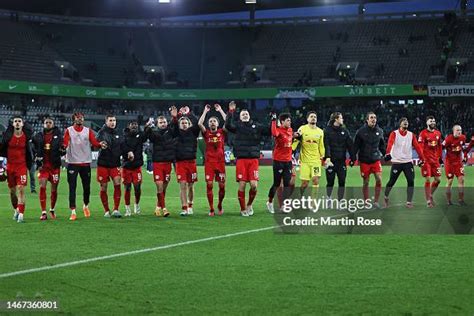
[[312, 144]]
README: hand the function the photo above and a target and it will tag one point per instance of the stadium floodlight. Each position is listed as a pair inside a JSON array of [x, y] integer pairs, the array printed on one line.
[[164, 1], [250, 1]]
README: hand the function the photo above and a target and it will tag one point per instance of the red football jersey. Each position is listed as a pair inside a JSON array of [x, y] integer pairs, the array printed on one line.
[[47, 150], [214, 145], [283, 140], [454, 147], [431, 144], [16, 150]]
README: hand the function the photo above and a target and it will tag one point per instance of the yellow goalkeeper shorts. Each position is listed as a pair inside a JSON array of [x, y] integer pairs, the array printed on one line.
[[308, 170]]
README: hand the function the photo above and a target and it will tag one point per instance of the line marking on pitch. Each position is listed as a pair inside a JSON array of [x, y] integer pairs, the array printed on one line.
[[145, 250], [134, 252]]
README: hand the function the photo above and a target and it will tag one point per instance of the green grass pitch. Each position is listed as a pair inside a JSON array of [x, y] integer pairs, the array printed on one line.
[[262, 272]]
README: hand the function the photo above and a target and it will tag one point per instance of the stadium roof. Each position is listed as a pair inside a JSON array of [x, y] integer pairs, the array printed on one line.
[[153, 9]]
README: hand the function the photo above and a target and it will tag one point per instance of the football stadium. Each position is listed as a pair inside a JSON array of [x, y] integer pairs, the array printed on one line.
[[237, 157]]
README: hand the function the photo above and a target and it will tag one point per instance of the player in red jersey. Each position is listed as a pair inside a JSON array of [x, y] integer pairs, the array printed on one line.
[[214, 160], [430, 140], [469, 147], [47, 148], [16, 148], [453, 163], [282, 159]]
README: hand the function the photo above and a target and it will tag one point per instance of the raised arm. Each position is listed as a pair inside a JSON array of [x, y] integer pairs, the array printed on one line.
[[203, 117], [274, 128], [230, 119], [174, 127], [221, 111]]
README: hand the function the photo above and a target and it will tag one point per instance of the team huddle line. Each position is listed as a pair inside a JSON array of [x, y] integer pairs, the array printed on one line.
[[175, 142]]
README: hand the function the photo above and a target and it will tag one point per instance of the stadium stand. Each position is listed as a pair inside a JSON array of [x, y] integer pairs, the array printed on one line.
[[301, 55], [24, 55]]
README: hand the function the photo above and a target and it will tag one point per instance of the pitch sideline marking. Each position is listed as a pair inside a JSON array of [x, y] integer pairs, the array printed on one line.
[[133, 252], [145, 250]]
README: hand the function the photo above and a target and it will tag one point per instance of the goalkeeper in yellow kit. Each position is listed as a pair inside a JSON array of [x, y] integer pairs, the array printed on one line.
[[312, 151]]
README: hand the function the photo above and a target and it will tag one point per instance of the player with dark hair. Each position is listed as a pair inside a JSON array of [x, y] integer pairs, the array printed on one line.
[[431, 141], [132, 154], [369, 146], [16, 148], [338, 142], [77, 142], [214, 161], [453, 163], [311, 138], [164, 143], [47, 148], [282, 167], [246, 147], [108, 164], [400, 151], [186, 131]]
